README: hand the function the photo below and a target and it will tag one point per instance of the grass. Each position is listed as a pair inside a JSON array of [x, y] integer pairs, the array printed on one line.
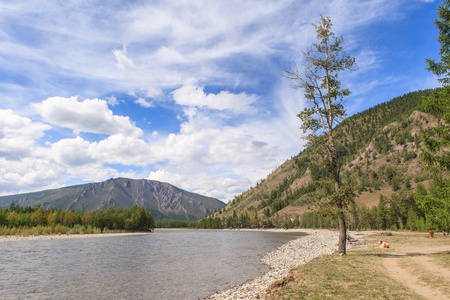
[[357, 275], [361, 274]]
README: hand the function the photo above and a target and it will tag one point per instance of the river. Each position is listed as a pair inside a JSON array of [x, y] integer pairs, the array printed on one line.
[[168, 264]]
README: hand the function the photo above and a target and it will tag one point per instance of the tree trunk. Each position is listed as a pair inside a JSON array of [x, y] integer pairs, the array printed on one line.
[[342, 235], [339, 204]]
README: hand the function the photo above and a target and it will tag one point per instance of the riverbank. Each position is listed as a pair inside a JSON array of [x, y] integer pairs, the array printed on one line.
[[11, 238], [282, 260], [414, 266]]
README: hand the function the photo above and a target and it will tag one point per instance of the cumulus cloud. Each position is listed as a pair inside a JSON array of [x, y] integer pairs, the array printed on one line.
[[191, 94], [90, 115], [219, 160], [34, 173], [218, 187], [123, 149], [28, 173], [18, 134], [226, 159], [71, 152]]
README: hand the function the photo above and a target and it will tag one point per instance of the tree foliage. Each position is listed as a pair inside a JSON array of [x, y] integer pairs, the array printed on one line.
[[436, 204], [437, 139], [112, 218]]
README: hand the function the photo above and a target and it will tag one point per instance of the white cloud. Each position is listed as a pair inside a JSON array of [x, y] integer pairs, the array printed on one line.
[[123, 62], [28, 173], [218, 187], [226, 159], [113, 101], [71, 152], [191, 94], [18, 134], [90, 115], [123, 149], [222, 161], [142, 79], [144, 103]]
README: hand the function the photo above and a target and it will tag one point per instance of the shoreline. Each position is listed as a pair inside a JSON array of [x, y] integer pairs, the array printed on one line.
[[16, 238], [294, 253]]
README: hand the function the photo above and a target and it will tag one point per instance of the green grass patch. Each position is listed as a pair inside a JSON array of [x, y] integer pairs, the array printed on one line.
[[356, 275]]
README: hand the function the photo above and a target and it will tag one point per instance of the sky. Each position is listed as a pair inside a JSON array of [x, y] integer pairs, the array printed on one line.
[[186, 92]]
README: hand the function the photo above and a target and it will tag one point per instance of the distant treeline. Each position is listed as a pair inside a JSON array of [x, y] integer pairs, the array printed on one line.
[[17, 220]]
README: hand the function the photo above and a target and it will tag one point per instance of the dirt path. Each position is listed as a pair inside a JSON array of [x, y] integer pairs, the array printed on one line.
[[416, 269]]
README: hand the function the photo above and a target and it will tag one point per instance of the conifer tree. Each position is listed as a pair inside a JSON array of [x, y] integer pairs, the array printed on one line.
[[324, 109], [437, 139], [436, 205]]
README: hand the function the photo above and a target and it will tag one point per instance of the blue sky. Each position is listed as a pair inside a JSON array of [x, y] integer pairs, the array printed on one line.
[[186, 92]]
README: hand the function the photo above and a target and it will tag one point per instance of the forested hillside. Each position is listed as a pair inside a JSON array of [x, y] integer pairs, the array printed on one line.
[[378, 154]]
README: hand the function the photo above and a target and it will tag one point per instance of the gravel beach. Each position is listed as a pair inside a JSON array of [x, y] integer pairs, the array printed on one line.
[[280, 261], [63, 236]]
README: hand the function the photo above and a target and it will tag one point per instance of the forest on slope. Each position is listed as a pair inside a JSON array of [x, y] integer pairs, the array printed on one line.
[[378, 153]]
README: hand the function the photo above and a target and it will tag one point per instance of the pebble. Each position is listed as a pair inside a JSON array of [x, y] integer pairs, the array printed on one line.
[[281, 261]]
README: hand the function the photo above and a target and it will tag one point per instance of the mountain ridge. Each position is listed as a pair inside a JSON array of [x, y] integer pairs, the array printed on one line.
[[164, 200]]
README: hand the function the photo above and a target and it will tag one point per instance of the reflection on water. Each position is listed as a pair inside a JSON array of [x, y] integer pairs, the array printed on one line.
[[169, 264]]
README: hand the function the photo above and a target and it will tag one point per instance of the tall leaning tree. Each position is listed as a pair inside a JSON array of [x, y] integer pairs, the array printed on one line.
[[324, 109]]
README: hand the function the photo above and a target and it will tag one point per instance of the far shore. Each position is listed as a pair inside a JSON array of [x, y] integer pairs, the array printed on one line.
[[11, 238]]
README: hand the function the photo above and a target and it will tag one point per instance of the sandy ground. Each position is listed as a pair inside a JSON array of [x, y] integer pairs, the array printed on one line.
[[413, 264], [422, 258]]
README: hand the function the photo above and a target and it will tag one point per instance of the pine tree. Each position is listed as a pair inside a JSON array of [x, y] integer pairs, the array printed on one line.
[[436, 205], [437, 139]]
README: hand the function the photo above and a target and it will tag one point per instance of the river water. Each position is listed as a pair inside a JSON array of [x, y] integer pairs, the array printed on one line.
[[168, 264]]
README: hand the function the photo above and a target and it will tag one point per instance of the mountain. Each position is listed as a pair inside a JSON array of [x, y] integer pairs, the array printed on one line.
[[378, 153], [165, 201]]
